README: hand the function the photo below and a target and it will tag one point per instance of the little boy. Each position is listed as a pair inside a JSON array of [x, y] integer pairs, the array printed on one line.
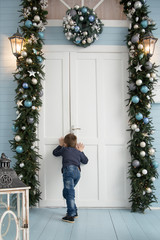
[[72, 155]]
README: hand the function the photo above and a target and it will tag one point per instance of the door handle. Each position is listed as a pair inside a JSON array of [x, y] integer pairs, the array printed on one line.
[[75, 128]]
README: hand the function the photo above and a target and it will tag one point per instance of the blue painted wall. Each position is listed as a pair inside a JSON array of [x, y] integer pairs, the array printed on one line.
[[9, 18]]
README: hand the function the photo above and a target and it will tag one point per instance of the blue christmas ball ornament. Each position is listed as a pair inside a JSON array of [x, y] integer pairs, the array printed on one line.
[[91, 18], [141, 56], [144, 23], [139, 116], [144, 89], [34, 51], [78, 40], [27, 103], [41, 35], [84, 10], [28, 23], [19, 149], [76, 28], [155, 164], [25, 85], [145, 120], [135, 99], [39, 58], [14, 129]]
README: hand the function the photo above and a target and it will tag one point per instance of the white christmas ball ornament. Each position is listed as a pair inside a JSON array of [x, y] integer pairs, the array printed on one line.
[[144, 172], [83, 41], [153, 75], [140, 46], [149, 105], [133, 126], [24, 54], [36, 18], [136, 26], [89, 40], [142, 144], [137, 5], [76, 7], [151, 151], [151, 79], [153, 179], [139, 82], [138, 175], [20, 176], [17, 138], [148, 75], [144, 192], [33, 108], [129, 4], [148, 190], [34, 8], [34, 81], [142, 154], [137, 130], [21, 165], [29, 60]]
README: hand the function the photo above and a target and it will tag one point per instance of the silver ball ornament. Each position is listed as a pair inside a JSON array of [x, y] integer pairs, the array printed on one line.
[[137, 130], [148, 65], [137, 5], [135, 163], [148, 75], [23, 128]]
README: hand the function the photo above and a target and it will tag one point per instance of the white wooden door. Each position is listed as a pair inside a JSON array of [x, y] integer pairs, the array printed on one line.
[[93, 88]]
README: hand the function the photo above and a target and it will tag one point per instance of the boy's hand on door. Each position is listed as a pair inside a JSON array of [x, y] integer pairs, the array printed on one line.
[[80, 147], [61, 141]]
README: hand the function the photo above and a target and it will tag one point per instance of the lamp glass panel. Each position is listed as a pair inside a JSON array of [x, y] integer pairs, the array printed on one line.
[[9, 224]]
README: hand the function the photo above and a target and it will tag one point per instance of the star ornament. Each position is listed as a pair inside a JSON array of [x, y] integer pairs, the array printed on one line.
[[138, 68], [19, 103], [31, 73]]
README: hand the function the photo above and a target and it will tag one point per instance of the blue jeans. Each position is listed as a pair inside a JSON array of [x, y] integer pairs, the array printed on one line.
[[71, 176]]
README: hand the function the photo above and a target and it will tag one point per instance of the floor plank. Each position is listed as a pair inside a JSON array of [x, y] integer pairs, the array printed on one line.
[[134, 229], [120, 226]]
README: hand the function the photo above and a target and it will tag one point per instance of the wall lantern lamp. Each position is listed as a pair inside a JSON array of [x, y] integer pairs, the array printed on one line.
[[16, 41], [149, 42], [14, 204]]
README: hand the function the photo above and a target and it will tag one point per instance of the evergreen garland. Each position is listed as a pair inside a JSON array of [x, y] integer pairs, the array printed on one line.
[[142, 78], [28, 76]]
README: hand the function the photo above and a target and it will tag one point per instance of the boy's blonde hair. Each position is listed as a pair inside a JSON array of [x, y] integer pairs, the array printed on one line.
[[70, 140]]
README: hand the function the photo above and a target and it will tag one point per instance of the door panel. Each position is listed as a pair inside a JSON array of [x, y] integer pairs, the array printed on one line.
[[54, 123], [86, 91]]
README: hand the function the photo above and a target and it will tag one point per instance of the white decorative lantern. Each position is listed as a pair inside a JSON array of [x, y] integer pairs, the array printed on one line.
[[14, 204]]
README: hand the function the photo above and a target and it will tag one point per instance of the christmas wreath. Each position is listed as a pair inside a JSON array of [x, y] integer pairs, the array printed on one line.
[[82, 26]]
